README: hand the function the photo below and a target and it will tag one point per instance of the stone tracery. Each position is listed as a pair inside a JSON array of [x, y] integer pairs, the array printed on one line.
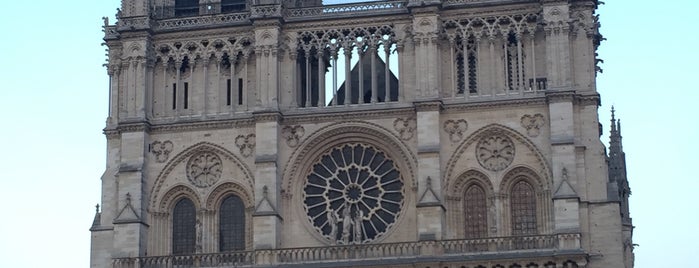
[[204, 169], [353, 194], [495, 152]]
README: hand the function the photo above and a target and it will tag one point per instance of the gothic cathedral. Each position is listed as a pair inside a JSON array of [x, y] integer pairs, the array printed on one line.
[[393, 133]]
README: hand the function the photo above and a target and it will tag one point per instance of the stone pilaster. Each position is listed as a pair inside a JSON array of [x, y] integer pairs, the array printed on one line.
[[266, 217], [425, 36], [557, 28], [430, 209]]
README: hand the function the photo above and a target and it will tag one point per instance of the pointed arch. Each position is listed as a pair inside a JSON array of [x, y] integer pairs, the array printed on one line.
[[452, 168], [246, 180], [469, 205]]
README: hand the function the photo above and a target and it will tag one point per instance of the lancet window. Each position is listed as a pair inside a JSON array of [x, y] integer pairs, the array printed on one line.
[[475, 212], [523, 209], [183, 227], [348, 66], [466, 64], [232, 224]]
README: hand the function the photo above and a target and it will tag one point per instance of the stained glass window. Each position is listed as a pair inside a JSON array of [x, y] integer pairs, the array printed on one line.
[[183, 227], [523, 204], [232, 224], [475, 212]]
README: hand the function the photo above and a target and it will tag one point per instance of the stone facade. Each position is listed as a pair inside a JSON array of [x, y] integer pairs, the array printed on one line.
[[441, 133]]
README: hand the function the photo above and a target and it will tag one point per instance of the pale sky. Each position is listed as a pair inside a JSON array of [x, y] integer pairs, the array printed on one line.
[[53, 106]]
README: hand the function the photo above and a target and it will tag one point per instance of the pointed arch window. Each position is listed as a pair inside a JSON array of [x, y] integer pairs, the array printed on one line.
[[232, 224], [183, 227], [523, 205], [475, 212]]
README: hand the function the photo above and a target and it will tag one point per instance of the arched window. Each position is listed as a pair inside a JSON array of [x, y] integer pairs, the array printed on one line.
[[186, 8], [475, 212], [184, 220], [523, 205], [232, 5], [232, 224]]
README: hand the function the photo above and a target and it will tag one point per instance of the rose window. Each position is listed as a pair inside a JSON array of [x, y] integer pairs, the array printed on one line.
[[204, 169], [353, 194], [495, 153]]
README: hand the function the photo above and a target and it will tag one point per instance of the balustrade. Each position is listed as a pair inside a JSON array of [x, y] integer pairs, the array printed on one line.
[[455, 247]]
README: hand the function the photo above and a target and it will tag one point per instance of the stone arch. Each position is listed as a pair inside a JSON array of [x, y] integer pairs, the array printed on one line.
[[246, 180], [542, 196], [213, 204], [176, 193], [451, 166], [455, 205], [317, 143]]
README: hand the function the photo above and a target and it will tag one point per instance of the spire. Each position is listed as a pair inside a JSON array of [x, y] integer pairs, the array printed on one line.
[[96, 222], [617, 168]]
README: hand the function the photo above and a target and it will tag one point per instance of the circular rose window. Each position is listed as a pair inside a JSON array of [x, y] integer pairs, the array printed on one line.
[[353, 194]]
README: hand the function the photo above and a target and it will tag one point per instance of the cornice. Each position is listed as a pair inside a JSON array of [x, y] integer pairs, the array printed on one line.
[[349, 22], [346, 113], [470, 105], [267, 116], [560, 96], [486, 10], [428, 105]]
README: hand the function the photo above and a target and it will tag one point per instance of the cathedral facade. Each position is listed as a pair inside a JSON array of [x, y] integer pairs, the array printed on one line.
[[395, 133]]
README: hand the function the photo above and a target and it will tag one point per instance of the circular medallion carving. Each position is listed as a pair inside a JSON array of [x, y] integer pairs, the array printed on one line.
[[204, 169], [353, 194], [495, 153]]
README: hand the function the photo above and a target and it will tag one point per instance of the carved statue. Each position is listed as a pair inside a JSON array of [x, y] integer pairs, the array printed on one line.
[[358, 226], [332, 221], [346, 224]]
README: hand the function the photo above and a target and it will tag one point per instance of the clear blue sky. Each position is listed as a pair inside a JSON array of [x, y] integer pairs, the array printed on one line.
[[53, 105]]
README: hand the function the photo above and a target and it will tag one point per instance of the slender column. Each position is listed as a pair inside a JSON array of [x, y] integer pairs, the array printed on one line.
[[334, 57], [520, 64], [308, 78], [178, 88], [493, 73], [360, 51], [479, 88], [190, 90], [165, 110], [454, 78], [234, 86], [387, 90], [297, 76], [506, 64], [533, 56], [464, 43], [348, 75], [374, 80], [206, 87], [221, 101], [321, 78], [246, 57]]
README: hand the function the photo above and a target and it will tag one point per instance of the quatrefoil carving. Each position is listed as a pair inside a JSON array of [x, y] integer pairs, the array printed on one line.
[[293, 134], [246, 144], [405, 127], [161, 150], [533, 124], [455, 129]]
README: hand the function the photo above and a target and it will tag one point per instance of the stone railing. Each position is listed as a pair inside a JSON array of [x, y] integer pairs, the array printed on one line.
[[203, 21], [366, 252], [347, 10], [448, 3]]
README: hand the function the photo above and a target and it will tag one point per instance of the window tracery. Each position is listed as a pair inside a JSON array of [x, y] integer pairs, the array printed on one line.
[[353, 194], [523, 209], [475, 212], [232, 224], [184, 227]]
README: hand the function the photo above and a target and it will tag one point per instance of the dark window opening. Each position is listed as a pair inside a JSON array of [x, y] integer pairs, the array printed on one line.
[[475, 211], [185, 8], [232, 5], [228, 92], [232, 224], [240, 91], [186, 95], [183, 227], [174, 96], [523, 205]]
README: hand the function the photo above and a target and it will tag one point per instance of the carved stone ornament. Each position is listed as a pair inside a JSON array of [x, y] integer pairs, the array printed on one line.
[[353, 194], [293, 134], [495, 152], [246, 144], [204, 169], [161, 150], [455, 129], [405, 127], [533, 124]]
